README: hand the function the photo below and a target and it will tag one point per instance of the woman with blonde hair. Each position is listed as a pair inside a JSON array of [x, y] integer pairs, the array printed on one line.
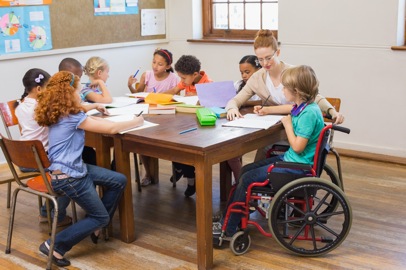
[[59, 108]]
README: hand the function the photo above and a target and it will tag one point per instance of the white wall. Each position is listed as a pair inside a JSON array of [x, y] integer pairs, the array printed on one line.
[[347, 43]]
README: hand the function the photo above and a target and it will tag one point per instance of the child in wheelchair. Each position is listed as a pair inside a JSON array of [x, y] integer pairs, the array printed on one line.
[[302, 126]]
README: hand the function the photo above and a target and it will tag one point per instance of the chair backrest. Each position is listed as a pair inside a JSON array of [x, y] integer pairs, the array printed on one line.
[[29, 154], [8, 116], [336, 103]]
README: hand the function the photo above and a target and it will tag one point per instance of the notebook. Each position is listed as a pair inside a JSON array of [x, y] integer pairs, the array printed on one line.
[[215, 94]]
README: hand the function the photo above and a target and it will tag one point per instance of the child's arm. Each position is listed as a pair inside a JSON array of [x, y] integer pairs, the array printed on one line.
[[173, 91], [109, 127], [278, 109], [141, 85], [104, 97], [297, 143], [91, 106]]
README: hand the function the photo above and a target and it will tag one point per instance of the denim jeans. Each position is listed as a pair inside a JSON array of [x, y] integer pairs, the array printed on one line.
[[63, 201], [98, 210], [250, 173]]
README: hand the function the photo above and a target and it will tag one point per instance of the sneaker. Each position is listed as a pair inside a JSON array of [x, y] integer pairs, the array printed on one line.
[[190, 190], [217, 216], [178, 175], [146, 181], [217, 228]]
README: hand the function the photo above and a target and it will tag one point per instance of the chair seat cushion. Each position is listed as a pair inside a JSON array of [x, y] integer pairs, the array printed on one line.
[[37, 183]]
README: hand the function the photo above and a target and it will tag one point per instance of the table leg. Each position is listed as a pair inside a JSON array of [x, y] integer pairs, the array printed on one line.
[[127, 228], [204, 212]]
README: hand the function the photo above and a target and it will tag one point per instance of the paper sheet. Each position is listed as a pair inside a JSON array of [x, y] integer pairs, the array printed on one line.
[[252, 120]]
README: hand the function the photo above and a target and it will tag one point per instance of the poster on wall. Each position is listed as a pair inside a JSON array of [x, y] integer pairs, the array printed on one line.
[[153, 22], [10, 3], [25, 29], [115, 7]]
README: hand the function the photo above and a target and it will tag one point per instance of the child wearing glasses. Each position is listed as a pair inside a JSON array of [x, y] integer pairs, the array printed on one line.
[[97, 69], [302, 127]]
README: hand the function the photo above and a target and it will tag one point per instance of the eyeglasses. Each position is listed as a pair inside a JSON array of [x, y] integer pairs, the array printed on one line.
[[266, 59]]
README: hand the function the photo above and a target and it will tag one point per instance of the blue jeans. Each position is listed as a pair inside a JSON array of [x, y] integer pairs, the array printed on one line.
[[98, 210], [250, 173]]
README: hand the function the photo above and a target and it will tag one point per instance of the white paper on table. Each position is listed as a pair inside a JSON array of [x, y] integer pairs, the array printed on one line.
[[146, 124], [191, 100], [133, 109], [252, 120], [138, 95], [120, 102]]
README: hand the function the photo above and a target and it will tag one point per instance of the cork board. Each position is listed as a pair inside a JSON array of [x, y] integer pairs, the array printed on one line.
[[73, 24]]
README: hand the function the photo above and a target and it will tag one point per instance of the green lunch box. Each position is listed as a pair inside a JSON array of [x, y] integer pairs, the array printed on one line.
[[206, 117]]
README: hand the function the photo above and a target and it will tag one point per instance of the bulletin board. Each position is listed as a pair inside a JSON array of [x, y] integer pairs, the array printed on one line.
[[73, 24]]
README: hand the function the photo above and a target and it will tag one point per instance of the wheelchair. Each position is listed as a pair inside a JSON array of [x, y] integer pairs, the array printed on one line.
[[307, 215]]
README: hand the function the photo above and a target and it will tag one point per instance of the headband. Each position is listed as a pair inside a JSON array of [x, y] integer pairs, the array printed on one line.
[[73, 80], [167, 54]]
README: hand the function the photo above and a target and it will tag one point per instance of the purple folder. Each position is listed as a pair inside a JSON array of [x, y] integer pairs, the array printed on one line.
[[215, 94]]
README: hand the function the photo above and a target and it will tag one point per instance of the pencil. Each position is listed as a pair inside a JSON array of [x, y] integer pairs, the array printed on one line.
[[140, 113], [188, 130], [136, 73], [263, 104]]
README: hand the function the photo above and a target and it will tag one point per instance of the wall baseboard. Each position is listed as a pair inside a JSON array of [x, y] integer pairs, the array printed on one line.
[[371, 156]]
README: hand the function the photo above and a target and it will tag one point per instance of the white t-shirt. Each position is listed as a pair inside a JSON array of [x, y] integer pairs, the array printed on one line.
[[30, 130], [275, 92]]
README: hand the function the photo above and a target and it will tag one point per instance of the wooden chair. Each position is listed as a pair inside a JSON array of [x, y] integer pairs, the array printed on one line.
[[9, 119], [336, 103], [31, 154]]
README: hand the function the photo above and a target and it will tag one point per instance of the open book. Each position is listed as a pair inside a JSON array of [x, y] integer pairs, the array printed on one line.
[[252, 120], [122, 118]]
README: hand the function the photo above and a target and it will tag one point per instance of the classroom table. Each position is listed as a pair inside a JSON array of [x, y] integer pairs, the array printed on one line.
[[202, 148]]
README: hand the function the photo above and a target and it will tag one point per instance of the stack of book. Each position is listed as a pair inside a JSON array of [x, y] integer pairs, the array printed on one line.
[[162, 110]]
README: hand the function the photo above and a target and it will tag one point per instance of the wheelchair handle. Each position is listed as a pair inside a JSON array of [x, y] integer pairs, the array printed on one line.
[[341, 129]]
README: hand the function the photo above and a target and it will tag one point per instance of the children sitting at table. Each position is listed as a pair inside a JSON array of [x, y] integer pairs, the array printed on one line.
[[97, 69]]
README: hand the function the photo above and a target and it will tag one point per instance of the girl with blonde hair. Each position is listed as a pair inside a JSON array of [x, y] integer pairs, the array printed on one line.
[[97, 69]]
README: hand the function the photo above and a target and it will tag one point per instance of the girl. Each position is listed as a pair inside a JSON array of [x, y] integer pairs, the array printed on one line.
[[302, 126], [97, 70], [34, 82], [160, 79], [266, 83], [248, 65], [59, 108]]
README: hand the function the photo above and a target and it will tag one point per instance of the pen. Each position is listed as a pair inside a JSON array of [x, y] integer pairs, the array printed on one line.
[[136, 73], [188, 130], [264, 102], [140, 113], [154, 90]]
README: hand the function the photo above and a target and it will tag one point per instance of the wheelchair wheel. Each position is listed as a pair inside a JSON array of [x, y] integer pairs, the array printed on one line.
[[240, 242], [332, 202], [305, 230]]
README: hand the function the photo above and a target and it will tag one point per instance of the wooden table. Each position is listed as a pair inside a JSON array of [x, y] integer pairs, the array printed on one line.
[[201, 148]]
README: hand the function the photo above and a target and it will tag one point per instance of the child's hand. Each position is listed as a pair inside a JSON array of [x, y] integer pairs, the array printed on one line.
[[233, 114], [131, 81], [287, 120], [102, 109], [260, 110]]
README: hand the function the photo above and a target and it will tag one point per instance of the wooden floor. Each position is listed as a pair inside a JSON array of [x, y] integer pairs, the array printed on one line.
[[166, 239]]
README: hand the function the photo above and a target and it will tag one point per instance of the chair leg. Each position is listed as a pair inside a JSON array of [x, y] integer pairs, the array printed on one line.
[[8, 194], [74, 214], [173, 176], [137, 172], [11, 221], [49, 212], [53, 232]]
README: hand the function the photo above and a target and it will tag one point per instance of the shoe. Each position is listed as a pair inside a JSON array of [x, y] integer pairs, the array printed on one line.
[[217, 216], [65, 222], [217, 228], [190, 190], [146, 181], [178, 175], [95, 238], [59, 262]]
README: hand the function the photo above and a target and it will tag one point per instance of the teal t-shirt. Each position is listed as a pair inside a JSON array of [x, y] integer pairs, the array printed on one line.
[[308, 124]]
